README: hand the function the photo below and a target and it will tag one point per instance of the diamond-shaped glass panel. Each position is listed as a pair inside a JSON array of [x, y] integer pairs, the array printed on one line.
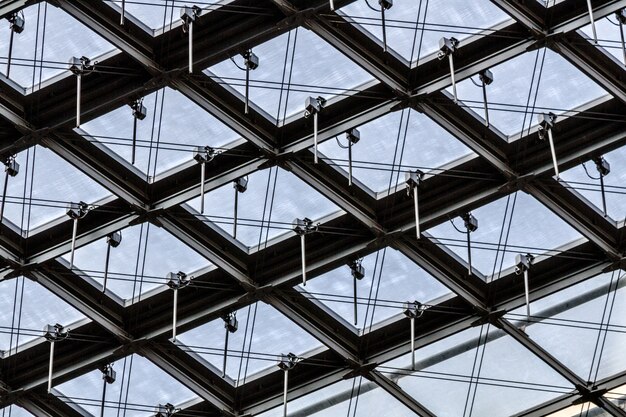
[[526, 86], [393, 144], [262, 336], [532, 228], [50, 38], [139, 263], [609, 40], [390, 280], [167, 137], [26, 308], [292, 67]]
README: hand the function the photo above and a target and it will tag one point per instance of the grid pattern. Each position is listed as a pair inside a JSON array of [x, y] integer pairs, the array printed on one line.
[[233, 275]]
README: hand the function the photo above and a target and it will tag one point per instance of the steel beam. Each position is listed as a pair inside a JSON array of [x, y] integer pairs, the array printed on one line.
[[399, 394]]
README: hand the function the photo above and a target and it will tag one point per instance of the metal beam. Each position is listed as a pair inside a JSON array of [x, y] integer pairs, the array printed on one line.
[[399, 394], [41, 404], [530, 14]]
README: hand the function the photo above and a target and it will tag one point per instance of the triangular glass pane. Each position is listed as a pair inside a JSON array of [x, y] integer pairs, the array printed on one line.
[[381, 294], [566, 324], [509, 377], [618, 396], [167, 137], [578, 180], [139, 387], [274, 197], [138, 264], [44, 186], [340, 399], [609, 40], [533, 229], [292, 67], [401, 141], [62, 37], [26, 308], [15, 411], [511, 96], [263, 335], [449, 18]]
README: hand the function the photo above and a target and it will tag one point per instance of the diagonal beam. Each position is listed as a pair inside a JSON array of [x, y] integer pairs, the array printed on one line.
[[399, 394], [42, 404], [529, 13]]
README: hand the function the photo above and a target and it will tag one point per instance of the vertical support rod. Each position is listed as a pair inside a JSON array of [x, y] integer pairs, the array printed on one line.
[[332, 5], [123, 12], [526, 293], [285, 387], [4, 194], [412, 321], [174, 315], [225, 354], [190, 47], [202, 174], [485, 105], [349, 163], [593, 22], [78, 88], [315, 138], [74, 230], [556, 165], [355, 304], [235, 214], [132, 158], [302, 249], [418, 232], [106, 268], [50, 366], [104, 395], [469, 254], [621, 34], [10, 53], [382, 11], [451, 60], [601, 189], [247, 88]]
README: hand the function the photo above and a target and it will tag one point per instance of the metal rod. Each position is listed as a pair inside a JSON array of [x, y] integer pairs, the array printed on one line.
[[235, 214], [349, 163], [4, 194], [202, 173], [50, 366], [106, 268], [247, 88], [104, 394], [74, 230], [526, 292], [418, 232], [174, 315], [412, 321], [355, 304], [382, 11], [451, 60], [593, 23], [132, 158], [601, 189], [190, 47], [621, 34], [10, 53], [303, 260], [469, 254], [556, 166], [225, 354], [315, 138], [78, 87], [332, 6], [123, 12], [485, 105], [285, 393]]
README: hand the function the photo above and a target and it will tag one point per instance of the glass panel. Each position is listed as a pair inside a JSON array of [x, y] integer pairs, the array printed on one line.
[[381, 293], [26, 308], [449, 18], [15, 411], [139, 387], [44, 186], [263, 335], [609, 40], [273, 196], [578, 410], [138, 264], [533, 229], [578, 180], [62, 37], [166, 138], [359, 398], [618, 396], [292, 67], [407, 138], [561, 87]]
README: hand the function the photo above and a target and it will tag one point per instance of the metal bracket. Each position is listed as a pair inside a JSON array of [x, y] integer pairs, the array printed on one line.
[[492, 317], [362, 369]]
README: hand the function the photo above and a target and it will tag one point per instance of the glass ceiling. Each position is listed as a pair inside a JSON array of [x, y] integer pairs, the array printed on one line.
[[461, 369]]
